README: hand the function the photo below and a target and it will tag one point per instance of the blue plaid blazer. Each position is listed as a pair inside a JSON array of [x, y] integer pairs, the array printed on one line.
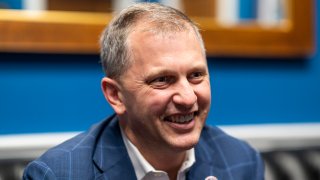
[[100, 153]]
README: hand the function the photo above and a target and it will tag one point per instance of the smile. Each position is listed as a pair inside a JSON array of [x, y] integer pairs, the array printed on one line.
[[181, 119]]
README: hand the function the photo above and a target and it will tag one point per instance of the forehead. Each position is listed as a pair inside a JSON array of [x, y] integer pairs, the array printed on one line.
[[143, 31], [161, 27], [148, 47], [152, 40], [153, 54]]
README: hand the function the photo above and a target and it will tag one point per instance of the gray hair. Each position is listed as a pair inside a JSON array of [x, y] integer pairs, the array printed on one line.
[[114, 50]]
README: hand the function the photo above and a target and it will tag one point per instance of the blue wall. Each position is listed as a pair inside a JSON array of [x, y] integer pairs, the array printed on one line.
[[11, 4], [56, 93], [47, 92]]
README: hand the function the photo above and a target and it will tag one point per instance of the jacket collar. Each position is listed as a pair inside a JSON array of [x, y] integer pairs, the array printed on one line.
[[110, 154], [208, 161], [202, 166]]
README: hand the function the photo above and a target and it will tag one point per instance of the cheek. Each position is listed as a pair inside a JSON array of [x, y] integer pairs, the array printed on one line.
[[156, 101], [204, 94]]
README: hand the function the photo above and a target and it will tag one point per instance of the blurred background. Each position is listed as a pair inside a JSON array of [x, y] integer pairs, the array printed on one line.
[[263, 60]]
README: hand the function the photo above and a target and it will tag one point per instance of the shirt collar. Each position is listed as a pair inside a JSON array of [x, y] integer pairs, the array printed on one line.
[[142, 167]]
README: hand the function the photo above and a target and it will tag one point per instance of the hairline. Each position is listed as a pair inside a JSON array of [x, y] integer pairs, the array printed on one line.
[[183, 24], [152, 27]]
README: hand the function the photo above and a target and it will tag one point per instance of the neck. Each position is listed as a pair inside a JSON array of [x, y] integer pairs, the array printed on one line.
[[166, 161], [160, 157]]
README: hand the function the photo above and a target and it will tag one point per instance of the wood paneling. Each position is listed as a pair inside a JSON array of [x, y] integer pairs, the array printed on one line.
[[80, 5], [66, 32], [54, 32], [202, 8], [294, 37]]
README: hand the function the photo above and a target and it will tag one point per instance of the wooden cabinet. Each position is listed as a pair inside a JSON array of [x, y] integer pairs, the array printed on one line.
[[78, 32]]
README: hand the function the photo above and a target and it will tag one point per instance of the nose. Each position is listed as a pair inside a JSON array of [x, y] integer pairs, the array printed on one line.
[[185, 96]]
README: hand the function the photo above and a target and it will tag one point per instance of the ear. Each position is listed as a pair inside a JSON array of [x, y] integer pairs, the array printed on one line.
[[113, 94]]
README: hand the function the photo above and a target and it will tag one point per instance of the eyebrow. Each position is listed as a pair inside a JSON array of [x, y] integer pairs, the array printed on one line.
[[159, 72], [165, 71]]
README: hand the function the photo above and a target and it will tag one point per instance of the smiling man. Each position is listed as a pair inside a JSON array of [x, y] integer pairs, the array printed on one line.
[[157, 82]]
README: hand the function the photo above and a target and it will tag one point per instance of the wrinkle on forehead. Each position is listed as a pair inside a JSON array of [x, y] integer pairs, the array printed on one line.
[[163, 28], [162, 32]]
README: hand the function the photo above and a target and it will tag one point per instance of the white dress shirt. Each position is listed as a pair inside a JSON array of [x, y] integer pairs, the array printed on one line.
[[145, 171]]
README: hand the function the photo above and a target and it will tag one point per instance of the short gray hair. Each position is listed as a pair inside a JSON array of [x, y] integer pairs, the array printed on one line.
[[114, 51]]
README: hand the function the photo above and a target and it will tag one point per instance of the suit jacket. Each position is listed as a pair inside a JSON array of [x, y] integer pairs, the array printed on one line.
[[100, 153]]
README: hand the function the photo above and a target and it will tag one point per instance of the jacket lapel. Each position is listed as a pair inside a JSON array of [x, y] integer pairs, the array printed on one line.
[[202, 167], [111, 156], [208, 163]]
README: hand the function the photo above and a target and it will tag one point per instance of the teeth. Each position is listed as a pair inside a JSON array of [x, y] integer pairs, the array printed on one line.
[[181, 118]]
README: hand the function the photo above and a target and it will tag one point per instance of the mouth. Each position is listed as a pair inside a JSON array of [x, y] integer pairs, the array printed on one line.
[[181, 118]]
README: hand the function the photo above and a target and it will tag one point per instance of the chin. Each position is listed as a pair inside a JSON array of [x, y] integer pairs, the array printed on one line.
[[184, 145]]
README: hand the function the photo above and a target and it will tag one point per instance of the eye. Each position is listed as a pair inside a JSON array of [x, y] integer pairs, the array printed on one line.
[[161, 82], [196, 77]]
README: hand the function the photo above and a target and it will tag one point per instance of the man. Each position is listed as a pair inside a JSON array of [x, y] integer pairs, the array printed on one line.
[[157, 82]]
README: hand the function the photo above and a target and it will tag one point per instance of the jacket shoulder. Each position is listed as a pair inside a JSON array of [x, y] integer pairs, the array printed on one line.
[[216, 139], [233, 155], [64, 159]]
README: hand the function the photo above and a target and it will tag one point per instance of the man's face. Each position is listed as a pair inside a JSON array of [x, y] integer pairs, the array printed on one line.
[[166, 90]]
